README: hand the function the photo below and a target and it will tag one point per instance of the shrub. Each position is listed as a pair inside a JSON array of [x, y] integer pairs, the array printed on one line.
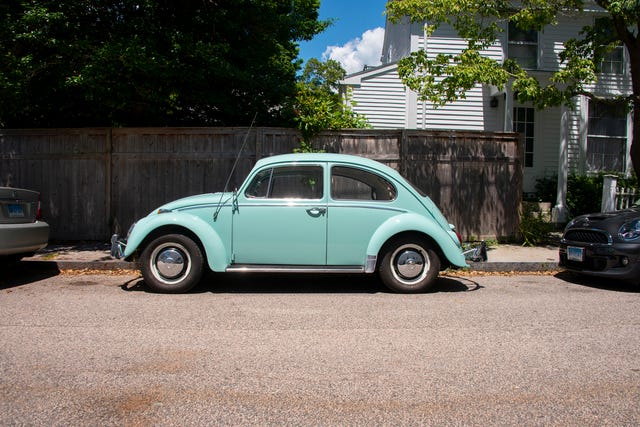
[[535, 230], [584, 193], [546, 189]]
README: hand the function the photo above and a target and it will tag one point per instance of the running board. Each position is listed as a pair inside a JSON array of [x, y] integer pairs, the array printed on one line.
[[254, 268]]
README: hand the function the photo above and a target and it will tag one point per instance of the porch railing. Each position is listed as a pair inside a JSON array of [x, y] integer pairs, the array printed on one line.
[[616, 198]]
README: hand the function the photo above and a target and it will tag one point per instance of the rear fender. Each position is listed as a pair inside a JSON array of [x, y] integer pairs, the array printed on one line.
[[410, 222]]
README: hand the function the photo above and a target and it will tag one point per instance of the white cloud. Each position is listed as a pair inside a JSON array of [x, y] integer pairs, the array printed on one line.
[[357, 53]]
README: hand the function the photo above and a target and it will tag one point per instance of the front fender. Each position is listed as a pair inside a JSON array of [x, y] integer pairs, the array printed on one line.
[[217, 255], [411, 222]]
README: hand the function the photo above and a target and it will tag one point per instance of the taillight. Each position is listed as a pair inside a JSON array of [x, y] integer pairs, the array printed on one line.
[[39, 209], [459, 237]]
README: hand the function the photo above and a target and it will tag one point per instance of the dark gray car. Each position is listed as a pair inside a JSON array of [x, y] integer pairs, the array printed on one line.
[[604, 244]]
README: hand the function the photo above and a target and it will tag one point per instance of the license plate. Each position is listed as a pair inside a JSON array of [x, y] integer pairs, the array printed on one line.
[[16, 211], [575, 254]]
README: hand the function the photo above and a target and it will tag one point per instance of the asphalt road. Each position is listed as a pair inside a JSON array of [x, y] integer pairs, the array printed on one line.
[[260, 350]]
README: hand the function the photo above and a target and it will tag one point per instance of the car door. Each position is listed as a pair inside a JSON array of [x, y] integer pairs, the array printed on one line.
[[360, 202], [281, 217]]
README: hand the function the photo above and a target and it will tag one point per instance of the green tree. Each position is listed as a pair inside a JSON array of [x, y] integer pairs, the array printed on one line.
[[447, 77], [318, 103], [150, 62]]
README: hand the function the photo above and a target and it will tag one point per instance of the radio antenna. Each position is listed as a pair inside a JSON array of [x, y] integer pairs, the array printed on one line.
[[233, 168], [244, 142]]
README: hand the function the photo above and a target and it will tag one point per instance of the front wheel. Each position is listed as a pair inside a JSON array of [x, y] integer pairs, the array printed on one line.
[[172, 264], [409, 265]]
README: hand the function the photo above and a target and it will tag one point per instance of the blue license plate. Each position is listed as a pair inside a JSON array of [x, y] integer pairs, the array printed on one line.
[[16, 211], [575, 254]]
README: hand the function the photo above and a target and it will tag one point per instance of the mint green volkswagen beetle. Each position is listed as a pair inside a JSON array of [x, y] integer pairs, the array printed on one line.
[[300, 213]]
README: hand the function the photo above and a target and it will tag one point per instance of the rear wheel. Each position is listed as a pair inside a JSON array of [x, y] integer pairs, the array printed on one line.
[[409, 265], [172, 264]]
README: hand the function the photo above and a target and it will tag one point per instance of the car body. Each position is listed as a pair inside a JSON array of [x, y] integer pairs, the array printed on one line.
[[604, 244], [301, 213], [22, 232]]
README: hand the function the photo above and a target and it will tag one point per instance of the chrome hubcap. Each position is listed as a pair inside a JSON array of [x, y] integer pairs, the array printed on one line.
[[170, 263], [409, 264]]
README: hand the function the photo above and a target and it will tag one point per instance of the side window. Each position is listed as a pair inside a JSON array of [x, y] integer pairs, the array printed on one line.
[[524, 123], [607, 137], [357, 184], [613, 61], [259, 187], [287, 182], [523, 47]]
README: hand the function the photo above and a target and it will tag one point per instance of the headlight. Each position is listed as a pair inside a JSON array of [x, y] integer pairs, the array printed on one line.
[[569, 225], [630, 230], [572, 223]]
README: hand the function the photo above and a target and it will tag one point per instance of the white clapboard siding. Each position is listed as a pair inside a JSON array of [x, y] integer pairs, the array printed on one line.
[[381, 97], [551, 40], [574, 148], [464, 114], [546, 149], [446, 41], [612, 84]]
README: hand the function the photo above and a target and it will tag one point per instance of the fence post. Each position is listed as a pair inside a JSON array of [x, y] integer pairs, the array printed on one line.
[[609, 193], [108, 184], [259, 142], [402, 152]]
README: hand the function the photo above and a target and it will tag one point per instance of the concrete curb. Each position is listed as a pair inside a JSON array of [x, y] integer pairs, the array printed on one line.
[[522, 267], [494, 267], [95, 256], [82, 265]]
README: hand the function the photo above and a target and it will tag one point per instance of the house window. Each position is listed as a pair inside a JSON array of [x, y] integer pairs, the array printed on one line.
[[524, 123], [606, 137], [613, 62], [523, 47]]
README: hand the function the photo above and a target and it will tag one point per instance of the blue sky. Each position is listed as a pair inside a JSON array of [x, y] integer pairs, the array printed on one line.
[[355, 38]]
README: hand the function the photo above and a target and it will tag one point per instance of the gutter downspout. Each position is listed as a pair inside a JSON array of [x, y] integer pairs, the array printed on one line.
[[559, 212]]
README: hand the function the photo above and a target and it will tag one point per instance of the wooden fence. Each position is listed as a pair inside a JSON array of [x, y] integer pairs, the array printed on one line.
[[98, 181]]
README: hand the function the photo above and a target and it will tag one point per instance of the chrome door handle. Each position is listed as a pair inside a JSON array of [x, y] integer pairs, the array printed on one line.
[[316, 212]]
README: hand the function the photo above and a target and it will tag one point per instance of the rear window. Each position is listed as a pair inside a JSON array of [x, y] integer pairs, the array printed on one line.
[[357, 184]]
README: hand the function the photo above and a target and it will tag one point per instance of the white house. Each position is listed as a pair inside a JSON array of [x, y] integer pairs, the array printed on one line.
[[592, 137]]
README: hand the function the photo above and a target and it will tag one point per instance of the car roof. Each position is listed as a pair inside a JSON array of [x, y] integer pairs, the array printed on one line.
[[328, 157]]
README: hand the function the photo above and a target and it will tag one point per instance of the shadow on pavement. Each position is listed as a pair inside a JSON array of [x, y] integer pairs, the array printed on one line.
[[605, 284], [26, 272], [299, 283]]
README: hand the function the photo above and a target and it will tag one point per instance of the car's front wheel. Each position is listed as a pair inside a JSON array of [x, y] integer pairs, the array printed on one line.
[[409, 265], [172, 264]]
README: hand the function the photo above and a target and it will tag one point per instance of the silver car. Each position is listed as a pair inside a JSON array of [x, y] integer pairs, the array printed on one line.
[[22, 232]]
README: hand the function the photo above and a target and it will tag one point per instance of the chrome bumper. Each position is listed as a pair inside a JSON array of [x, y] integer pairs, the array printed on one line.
[[117, 247], [476, 253], [23, 238]]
